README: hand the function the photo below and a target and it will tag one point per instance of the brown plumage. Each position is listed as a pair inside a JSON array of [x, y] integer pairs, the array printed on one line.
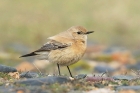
[[65, 48]]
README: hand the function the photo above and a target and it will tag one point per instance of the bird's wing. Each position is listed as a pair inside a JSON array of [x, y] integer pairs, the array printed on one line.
[[52, 45]]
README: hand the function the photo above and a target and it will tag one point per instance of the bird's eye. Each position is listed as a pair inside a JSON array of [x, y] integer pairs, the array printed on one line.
[[79, 32]]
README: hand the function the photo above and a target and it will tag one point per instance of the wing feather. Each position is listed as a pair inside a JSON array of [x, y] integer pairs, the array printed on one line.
[[52, 45]]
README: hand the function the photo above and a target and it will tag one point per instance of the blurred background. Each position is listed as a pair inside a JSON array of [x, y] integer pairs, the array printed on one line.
[[25, 26]]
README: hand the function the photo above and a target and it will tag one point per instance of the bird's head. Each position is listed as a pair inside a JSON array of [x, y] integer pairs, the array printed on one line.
[[79, 32]]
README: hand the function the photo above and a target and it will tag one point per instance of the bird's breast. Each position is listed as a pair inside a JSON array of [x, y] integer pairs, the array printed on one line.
[[67, 56]]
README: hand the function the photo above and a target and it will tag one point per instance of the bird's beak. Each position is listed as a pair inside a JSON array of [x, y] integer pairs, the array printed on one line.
[[89, 32]]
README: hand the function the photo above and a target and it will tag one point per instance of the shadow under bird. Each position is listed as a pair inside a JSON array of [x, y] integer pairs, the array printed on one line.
[[65, 48]]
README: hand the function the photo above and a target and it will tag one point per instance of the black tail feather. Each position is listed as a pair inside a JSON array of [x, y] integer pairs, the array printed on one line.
[[30, 54]]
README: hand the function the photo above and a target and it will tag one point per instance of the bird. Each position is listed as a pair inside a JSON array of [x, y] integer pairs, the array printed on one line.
[[65, 48]]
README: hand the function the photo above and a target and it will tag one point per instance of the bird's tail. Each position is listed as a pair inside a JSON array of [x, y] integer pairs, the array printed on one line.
[[30, 54]]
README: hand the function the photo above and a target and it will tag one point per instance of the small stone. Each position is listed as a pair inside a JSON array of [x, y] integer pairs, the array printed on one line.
[[128, 88], [71, 78], [123, 77], [7, 69], [45, 80], [29, 75], [80, 76]]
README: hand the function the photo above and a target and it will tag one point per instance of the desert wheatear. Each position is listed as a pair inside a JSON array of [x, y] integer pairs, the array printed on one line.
[[65, 48]]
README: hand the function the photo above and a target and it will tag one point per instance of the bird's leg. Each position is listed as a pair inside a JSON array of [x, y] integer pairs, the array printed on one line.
[[58, 69], [69, 71]]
